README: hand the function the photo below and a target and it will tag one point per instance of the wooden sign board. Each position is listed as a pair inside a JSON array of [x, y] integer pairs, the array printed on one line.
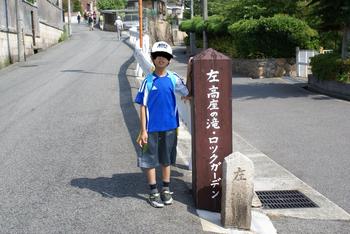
[[211, 125]]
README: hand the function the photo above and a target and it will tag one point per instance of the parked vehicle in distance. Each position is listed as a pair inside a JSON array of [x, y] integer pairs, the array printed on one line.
[[130, 20]]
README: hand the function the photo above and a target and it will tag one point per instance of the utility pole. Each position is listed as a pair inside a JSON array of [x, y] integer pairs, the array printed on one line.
[[140, 23], [205, 17], [192, 35], [18, 24], [69, 20]]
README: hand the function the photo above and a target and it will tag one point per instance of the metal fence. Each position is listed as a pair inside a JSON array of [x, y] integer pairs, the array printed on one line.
[[303, 61]]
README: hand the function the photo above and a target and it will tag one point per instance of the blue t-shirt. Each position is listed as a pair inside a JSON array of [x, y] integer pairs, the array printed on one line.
[[160, 102]]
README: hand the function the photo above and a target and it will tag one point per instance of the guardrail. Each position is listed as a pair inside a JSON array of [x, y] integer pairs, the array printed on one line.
[[142, 55]]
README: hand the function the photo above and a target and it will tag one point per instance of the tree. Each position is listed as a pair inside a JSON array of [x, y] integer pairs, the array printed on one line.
[[31, 1], [335, 16], [111, 4], [254, 9], [196, 8], [75, 5]]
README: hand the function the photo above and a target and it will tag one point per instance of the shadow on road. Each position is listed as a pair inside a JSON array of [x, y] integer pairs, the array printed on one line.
[[259, 89], [119, 185], [133, 185], [87, 72], [130, 114]]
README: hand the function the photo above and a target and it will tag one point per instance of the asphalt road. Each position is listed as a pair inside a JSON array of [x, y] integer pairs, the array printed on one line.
[[67, 153], [67, 133], [305, 132]]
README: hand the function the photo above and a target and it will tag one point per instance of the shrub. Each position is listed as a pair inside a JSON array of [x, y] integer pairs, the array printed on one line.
[[198, 41], [331, 67], [196, 24], [186, 26], [216, 25], [276, 36], [223, 44]]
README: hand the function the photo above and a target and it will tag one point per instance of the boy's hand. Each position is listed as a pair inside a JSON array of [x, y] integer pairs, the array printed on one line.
[[186, 98], [142, 138]]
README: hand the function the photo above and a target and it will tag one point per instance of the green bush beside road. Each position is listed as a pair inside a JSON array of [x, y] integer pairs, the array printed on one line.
[[270, 37], [275, 37], [331, 67]]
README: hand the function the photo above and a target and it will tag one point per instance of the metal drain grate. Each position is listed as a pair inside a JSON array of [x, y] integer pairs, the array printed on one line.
[[284, 199]]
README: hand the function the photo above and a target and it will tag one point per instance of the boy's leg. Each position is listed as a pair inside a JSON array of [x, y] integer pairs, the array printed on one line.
[[167, 148], [151, 176], [154, 197], [166, 174], [166, 194]]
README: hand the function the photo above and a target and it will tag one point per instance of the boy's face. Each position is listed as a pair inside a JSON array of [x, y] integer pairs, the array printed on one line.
[[160, 61]]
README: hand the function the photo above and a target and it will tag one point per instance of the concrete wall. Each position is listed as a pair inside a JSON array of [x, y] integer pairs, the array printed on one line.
[[50, 14], [8, 48], [49, 36], [41, 23]]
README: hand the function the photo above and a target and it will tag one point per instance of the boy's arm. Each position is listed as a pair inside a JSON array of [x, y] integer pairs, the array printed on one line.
[[180, 86], [143, 136]]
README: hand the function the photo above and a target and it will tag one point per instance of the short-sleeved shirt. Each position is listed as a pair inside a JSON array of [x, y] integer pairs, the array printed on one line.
[[119, 24], [160, 102]]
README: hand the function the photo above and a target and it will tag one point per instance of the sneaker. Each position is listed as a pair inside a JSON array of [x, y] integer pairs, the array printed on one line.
[[166, 197], [155, 201]]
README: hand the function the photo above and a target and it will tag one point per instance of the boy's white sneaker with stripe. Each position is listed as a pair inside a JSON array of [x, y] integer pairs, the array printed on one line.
[[155, 200], [166, 197]]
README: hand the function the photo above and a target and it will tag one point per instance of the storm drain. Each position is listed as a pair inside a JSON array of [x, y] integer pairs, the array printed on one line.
[[284, 199]]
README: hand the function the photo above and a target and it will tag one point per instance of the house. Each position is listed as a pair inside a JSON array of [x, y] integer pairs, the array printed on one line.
[[158, 6], [150, 7], [37, 26]]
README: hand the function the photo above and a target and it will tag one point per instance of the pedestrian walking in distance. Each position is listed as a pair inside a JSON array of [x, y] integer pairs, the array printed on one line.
[[101, 21], [78, 17], [91, 22], [118, 23], [159, 122]]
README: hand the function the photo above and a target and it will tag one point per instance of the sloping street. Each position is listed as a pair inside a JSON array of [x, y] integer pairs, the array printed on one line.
[[68, 162], [68, 154]]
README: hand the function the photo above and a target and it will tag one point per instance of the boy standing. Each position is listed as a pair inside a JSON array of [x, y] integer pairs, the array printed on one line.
[[159, 121]]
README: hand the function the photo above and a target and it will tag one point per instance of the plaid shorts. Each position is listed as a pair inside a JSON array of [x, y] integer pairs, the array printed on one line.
[[160, 149]]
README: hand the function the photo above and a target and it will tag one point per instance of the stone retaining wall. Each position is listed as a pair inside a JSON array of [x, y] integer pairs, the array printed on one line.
[[264, 68]]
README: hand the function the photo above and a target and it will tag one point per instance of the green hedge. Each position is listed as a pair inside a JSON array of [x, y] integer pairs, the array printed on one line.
[[223, 44], [331, 67], [276, 37], [196, 24], [218, 36], [214, 25]]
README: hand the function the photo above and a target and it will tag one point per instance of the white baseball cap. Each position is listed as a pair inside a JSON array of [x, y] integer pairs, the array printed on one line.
[[162, 46]]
